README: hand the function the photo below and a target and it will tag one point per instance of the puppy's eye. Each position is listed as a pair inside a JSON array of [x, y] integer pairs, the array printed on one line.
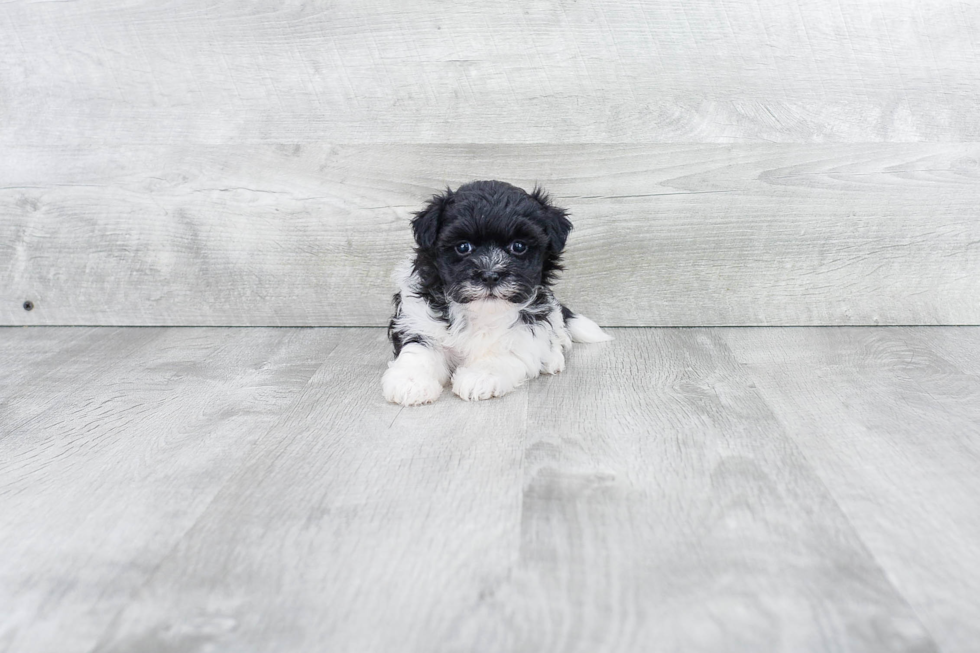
[[518, 247], [464, 248]]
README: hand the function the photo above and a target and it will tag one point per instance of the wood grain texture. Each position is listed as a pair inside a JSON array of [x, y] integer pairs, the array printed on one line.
[[30, 355], [665, 235], [647, 499], [509, 72], [355, 525], [665, 509], [111, 446], [890, 420]]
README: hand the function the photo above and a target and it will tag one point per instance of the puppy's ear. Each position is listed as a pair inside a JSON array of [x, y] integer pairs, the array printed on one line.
[[554, 220], [428, 221]]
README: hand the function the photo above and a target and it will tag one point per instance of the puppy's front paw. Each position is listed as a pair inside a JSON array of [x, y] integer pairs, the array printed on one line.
[[473, 384], [554, 363], [409, 387]]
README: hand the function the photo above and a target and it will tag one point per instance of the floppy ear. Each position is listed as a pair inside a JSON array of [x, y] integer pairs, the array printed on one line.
[[426, 223], [554, 220]]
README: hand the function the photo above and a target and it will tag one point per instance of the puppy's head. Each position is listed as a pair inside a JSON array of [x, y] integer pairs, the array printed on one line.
[[491, 240]]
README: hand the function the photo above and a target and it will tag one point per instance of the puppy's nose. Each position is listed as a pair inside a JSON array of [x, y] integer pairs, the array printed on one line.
[[488, 276]]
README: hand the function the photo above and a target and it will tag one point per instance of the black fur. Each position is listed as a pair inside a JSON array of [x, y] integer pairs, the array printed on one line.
[[540, 308], [400, 338], [491, 216]]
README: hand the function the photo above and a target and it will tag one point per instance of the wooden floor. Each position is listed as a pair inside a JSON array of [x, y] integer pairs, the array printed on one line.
[[755, 489]]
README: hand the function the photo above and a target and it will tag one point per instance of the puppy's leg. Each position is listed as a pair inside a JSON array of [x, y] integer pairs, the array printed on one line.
[[416, 376], [552, 342], [489, 377], [554, 361]]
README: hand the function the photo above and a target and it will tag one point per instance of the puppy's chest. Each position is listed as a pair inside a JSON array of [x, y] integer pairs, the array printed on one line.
[[486, 328]]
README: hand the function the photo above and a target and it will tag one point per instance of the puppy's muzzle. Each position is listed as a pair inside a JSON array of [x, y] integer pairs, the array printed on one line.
[[488, 277], [489, 268]]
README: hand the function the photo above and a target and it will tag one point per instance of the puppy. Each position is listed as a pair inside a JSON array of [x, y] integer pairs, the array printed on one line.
[[475, 305]]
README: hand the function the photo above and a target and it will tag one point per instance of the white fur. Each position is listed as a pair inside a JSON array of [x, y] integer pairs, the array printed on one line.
[[584, 330], [487, 352], [416, 376]]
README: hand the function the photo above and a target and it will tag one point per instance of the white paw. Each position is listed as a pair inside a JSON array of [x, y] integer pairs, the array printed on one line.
[[409, 387], [554, 363], [474, 384]]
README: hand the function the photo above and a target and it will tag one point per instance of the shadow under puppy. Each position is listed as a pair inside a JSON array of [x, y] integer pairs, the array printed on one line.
[[475, 304]]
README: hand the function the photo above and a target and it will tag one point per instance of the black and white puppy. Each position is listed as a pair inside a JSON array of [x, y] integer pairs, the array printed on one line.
[[475, 304]]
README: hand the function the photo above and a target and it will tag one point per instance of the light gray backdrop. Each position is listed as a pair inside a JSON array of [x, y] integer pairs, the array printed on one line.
[[256, 163]]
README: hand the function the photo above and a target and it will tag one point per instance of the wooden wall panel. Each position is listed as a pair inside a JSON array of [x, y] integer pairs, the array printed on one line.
[[514, 71], [763, 162], [697, 234]]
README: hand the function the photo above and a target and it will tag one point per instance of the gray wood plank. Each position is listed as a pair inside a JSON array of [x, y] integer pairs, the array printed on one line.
[[643, 500], [47, 366], [29, 354], [665, 234], [110, 454], [665, 509], [959, 347], [355, 526], [890, 420], [703, 489], [508, 72]]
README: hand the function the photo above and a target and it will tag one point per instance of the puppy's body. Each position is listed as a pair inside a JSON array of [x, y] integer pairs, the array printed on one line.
[[475, 304]]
